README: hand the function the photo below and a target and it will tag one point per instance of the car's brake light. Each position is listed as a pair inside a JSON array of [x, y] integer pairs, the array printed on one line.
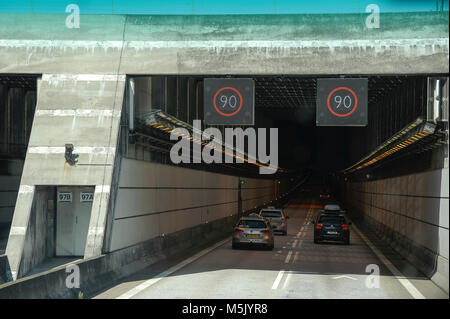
[[344, 227], [238, 230], [319, 226], [265, 231]]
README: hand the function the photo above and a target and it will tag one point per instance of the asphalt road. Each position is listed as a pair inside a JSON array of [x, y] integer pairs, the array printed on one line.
[[296, 268]]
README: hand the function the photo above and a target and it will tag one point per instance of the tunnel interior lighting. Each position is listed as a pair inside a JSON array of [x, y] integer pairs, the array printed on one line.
[[410, 135], [167, 124]]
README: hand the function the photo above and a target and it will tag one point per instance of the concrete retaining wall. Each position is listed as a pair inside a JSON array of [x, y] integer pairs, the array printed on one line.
[[10, 172], [3, 267], [412, 214], [100, 272], [156, 200]]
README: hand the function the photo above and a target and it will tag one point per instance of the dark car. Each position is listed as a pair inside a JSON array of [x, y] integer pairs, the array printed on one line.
[[331, 226], [325, 194]]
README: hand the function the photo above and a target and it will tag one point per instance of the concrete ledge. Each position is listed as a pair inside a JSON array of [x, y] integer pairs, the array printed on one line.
[[441, 276], [99, 272]]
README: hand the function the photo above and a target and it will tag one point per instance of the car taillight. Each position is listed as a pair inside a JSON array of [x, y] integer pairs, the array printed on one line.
[[344, 227], [319, 226], [265, 231], [238, 230]]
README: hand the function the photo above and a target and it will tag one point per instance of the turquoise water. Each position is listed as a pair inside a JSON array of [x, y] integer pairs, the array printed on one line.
[[220, 7]]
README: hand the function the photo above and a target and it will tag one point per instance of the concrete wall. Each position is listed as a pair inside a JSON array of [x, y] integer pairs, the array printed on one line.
[[3, 267], [405, 43], [101, 272], [10, 173], [16, 116], [17, 107], [155, 199], [9, 185], [40, 232], [83, 110], [412, 214], [256, 192]]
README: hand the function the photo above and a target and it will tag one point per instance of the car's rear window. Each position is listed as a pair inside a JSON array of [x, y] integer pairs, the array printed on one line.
[[252, 224], [332, 219], [270, 213]]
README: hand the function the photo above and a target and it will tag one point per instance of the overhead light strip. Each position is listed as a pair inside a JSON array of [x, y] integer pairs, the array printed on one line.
[[166, 123], [422, 129]]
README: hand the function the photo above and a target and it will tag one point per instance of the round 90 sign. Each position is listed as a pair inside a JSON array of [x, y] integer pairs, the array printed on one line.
[[342, 101], [228, 101]]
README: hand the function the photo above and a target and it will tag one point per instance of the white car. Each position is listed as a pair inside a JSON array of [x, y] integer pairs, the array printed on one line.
[[276, 218]]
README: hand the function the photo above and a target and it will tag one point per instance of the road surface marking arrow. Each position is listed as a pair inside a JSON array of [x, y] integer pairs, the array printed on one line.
[[343, 276]]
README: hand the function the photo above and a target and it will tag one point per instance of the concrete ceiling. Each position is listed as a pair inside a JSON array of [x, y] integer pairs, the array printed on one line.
[[279, 92]]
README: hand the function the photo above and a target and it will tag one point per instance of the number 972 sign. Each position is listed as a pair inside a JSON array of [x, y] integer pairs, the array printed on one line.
[[342, 102], [228, 101]]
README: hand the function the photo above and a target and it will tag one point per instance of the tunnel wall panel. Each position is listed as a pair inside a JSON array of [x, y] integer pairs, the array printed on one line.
[[412, 214], [255, 192], [156, 200]]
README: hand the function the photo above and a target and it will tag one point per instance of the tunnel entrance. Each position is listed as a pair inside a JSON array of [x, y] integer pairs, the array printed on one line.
[[289, 104], [391, 174], [17, 106]]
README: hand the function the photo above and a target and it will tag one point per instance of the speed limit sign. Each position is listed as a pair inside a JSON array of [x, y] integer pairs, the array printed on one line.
[[342, 102], [228, 101]]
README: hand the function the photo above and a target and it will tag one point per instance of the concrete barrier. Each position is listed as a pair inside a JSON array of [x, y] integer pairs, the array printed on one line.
[[99, 272], [428, 262]]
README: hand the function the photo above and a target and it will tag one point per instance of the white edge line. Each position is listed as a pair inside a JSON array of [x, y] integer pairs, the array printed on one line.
[[154, 280], [412, 290], [278, 279], [288, 276]]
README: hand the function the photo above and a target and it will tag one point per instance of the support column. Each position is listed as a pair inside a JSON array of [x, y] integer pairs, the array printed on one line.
[[83, 110]]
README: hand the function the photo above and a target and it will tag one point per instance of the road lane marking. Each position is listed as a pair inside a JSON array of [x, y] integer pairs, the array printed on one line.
[[129, 294], [286, 281], [294, 244], [344, 276], [288, 257], [397, 274], [278, 279]]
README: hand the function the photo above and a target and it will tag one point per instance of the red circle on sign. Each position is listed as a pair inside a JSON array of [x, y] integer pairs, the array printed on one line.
[[228, 88], [346, 89]]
